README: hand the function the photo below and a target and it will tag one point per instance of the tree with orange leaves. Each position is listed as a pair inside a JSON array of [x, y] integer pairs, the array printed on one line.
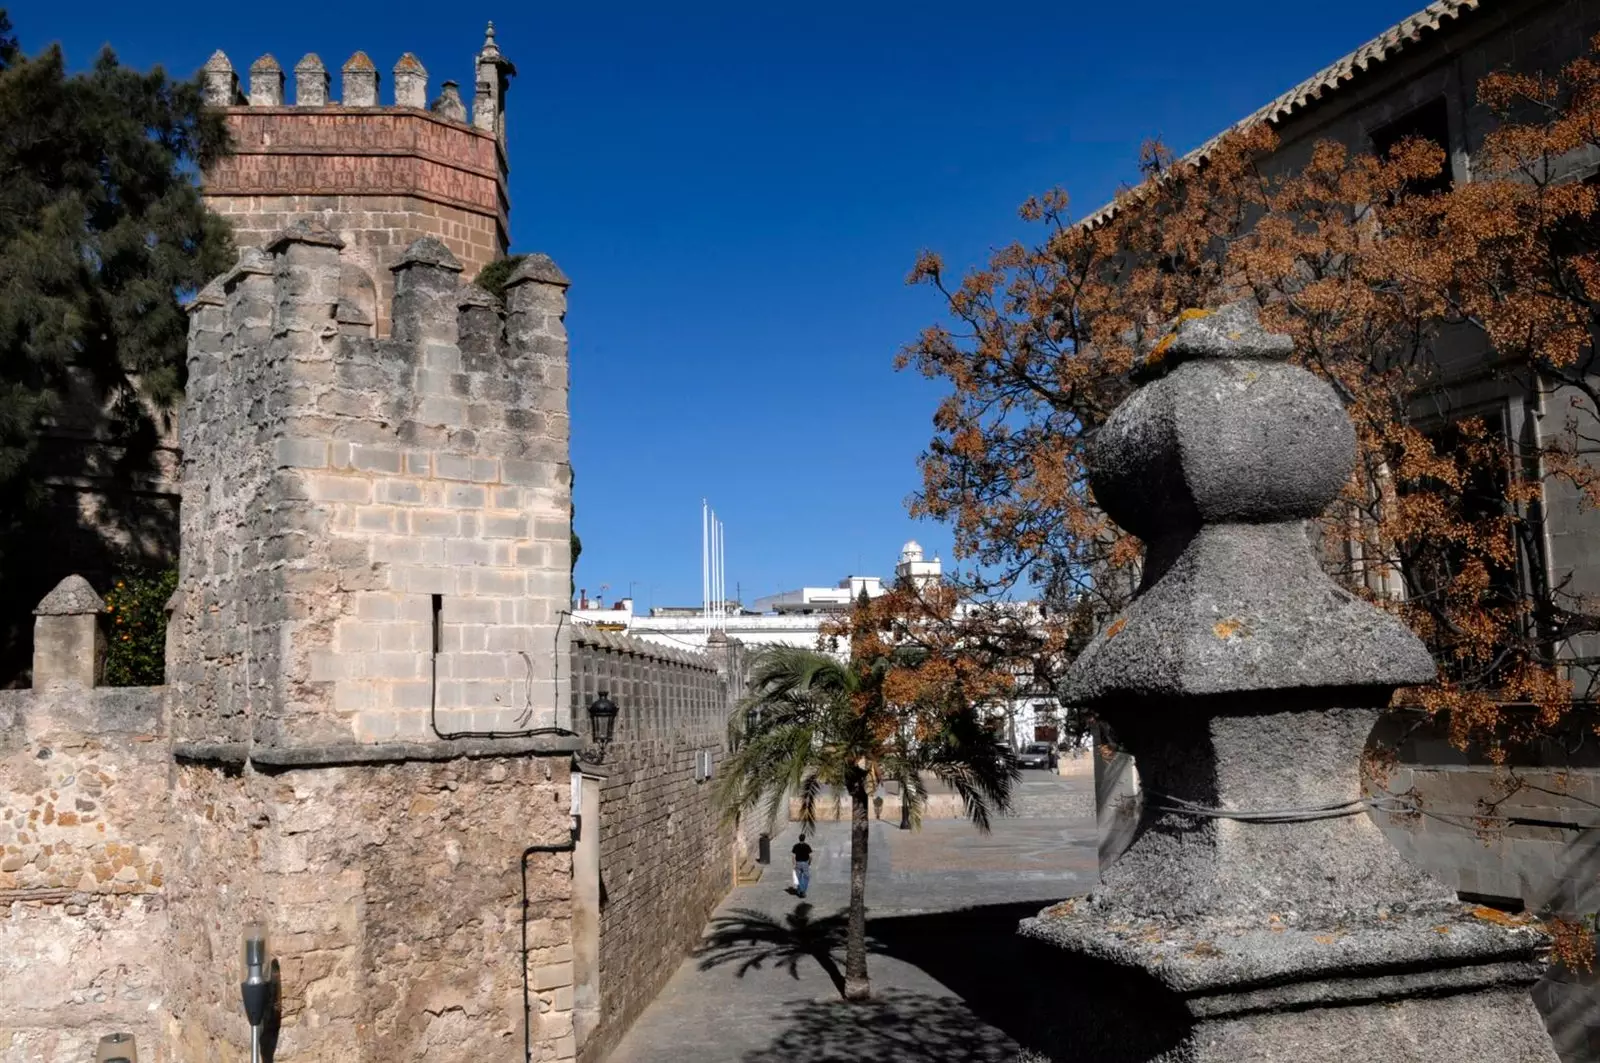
[[896, 710], [1376, 278]]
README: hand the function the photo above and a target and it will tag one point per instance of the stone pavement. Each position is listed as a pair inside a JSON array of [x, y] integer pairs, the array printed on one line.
[[951, 981]]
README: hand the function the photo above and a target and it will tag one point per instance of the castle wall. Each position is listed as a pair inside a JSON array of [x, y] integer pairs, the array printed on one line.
[[666, 858], [379, 528], [84, 862], [379, 176], [367, 663], [393, 894]]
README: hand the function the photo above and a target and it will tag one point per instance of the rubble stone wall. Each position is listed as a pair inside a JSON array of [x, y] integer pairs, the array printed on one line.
[[84, 868], [394, 896]]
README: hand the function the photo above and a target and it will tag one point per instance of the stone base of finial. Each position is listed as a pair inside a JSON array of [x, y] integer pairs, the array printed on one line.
[[1441, 985]]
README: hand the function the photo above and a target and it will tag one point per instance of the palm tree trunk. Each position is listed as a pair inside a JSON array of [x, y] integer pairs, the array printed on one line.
[[856, 986]]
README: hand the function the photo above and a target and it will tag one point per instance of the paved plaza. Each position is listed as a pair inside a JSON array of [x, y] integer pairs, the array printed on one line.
[[950, 980]]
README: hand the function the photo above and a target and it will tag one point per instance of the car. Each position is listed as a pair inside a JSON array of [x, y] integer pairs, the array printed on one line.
[[1037, 755]]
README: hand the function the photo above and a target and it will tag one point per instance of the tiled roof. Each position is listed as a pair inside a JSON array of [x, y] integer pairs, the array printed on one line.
[[584, 634], [1409, 33]]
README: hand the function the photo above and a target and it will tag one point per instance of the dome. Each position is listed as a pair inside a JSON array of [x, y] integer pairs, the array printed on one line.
[[911, 551]]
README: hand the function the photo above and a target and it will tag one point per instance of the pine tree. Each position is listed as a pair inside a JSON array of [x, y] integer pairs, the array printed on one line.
[[103, 234]]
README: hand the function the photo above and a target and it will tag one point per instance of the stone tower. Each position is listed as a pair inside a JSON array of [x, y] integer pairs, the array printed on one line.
[[368, 668], [377, 176]]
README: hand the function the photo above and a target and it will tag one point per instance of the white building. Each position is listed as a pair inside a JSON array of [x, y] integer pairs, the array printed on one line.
[[796, 618], [808, 600]]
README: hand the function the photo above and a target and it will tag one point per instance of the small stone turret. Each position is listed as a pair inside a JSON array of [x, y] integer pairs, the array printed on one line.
[[1259, 912], [360, 81], [266, 83], [410, 82], [494, 74]]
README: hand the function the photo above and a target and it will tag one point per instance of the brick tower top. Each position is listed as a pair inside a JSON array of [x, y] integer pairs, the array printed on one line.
[[380, 176]]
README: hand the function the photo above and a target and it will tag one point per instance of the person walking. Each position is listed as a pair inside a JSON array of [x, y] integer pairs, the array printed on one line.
[[802, 866]]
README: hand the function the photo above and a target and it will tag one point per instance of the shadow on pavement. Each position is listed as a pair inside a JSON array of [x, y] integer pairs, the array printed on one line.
[[1016, 995], [752, 939], [893, 1027]]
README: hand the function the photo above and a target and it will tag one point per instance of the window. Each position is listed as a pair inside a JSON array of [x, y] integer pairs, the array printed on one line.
[[1431, 121]]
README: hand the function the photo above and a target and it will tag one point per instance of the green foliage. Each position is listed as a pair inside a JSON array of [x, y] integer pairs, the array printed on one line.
[[814, 724], [492, 278], [136, 627], [103, 234]]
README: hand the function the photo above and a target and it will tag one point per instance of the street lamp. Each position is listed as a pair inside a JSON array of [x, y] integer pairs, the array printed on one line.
[[117, 1048], [257, 985], [602, 723]]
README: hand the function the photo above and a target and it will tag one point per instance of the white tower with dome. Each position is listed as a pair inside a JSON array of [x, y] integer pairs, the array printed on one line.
[[912, 566]]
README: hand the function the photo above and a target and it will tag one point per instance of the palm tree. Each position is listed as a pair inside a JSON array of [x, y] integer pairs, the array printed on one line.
[[813, 723]]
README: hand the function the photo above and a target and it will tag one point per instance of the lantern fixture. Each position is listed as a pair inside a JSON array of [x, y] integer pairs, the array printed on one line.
[[602, 722]]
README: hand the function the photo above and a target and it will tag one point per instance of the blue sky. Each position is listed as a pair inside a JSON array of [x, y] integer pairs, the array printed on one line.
[[738, 190]]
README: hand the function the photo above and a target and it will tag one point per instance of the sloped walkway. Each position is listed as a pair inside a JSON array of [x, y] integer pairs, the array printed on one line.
[[951, 980]]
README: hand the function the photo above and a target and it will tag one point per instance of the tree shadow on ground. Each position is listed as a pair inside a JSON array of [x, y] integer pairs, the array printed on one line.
[[1019, 998], [752, 939], [895, 1026]]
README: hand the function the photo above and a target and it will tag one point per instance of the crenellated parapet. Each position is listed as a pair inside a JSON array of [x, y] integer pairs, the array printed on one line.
[[360, 85], [376, 531], [378, 164]]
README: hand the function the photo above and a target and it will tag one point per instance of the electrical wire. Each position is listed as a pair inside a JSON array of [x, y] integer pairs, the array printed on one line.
[[527, 709], [1390, 803]]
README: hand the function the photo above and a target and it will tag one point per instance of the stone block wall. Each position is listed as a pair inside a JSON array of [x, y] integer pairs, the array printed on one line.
[[666, 857], [375, 532]]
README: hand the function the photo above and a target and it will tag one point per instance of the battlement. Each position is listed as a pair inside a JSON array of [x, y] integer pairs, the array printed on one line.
[[377, 175], [376, 531], [361, 86]]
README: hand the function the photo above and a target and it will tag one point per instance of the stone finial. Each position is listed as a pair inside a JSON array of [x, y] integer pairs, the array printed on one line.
[[1246, 683], [360, 82], [71, 597], [449, 104], [494, 72], [311, 81], [410, 82], [220, 83], [538, 268], [266, 82], [427, 251], [1216, 465], [69, 646]]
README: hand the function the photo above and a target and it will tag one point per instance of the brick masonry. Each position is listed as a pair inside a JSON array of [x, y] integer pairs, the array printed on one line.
[[666, 857], [378, 176]]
